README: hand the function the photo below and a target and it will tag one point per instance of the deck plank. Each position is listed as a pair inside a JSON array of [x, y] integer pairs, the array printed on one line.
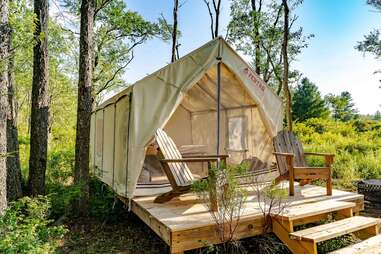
[[334, 229], [311, 209], [369, 246]]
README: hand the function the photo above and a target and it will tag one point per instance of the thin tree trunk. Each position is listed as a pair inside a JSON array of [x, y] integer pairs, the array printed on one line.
[[81, 168], [174, 31], [14, 179], [207, 3], [40, 102], [4, 56], [257, 35], [217, 9], [286, 88]]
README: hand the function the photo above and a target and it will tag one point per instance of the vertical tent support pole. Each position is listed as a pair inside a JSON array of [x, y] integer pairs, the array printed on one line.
[[103, 141], [218, 106], [128, 145], [113, 149], [95, 141], [212, 173]]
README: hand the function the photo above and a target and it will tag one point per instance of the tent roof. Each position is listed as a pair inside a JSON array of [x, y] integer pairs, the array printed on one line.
[[228, 76]]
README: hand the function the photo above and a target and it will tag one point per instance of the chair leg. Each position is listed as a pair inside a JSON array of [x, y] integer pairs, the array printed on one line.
[[329, 186], [291, 186]]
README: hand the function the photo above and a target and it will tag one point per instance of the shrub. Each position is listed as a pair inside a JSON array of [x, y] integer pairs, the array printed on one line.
[[223, 188], [25, 227]]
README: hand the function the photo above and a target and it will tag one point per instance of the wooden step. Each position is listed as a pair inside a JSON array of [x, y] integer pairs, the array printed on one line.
[[313, 209], [369, 246], [337, 228]]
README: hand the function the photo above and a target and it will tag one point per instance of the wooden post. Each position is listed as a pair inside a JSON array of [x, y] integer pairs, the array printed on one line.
[[212, 188], [328, 163]]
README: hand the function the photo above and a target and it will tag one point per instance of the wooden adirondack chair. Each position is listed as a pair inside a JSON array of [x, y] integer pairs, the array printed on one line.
[[291, 160], [176, 168]]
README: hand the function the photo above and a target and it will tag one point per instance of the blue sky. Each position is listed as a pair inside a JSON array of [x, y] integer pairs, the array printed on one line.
[[330, 61]]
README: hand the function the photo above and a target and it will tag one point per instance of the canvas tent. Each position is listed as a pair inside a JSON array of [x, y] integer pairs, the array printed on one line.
[[181, 98]]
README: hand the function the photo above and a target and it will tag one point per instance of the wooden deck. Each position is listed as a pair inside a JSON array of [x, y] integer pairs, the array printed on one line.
[[185, 222]]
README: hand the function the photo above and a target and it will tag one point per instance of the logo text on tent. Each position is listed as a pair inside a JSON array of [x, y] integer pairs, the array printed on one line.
[[253, 78]]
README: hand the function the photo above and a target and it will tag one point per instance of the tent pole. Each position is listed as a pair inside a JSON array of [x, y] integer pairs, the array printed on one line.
[[212, 174], [218, 107], [128, 145]]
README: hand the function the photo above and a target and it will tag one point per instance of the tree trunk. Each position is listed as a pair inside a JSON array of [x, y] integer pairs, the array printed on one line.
[[256, 13], [217, 9], [14, 179], [81, 167], [4, 56], [174, 31], [40, 102], [286, 88]]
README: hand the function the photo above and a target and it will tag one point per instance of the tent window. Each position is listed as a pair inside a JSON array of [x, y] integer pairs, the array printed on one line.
[[237, 133]]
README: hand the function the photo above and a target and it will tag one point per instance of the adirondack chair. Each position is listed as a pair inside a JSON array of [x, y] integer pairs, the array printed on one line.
[[291, 160], [176, 168]]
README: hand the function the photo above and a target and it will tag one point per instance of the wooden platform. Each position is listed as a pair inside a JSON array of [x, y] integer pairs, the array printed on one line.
[[185, 223]]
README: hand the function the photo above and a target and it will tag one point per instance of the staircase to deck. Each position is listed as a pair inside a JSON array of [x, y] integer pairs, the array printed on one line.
[[305, 241]]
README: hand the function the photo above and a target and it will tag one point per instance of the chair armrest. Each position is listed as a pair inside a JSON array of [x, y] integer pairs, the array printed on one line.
[[311, 168], [328, 157], [319, 154], [283, 154], [222, 156], [189, 160]]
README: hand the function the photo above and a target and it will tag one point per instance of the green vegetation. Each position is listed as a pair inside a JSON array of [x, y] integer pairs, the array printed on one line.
[[356, 144], [307, 102], [342, 106], [25, 227]]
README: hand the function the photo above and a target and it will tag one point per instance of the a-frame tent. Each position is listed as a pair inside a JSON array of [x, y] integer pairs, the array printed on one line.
[[181, 97]]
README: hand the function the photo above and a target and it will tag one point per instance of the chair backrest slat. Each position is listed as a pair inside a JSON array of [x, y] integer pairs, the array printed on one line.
[[179, 170], [287, 142]]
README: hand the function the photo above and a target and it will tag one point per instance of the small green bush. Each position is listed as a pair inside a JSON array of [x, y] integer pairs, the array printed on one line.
[[25, 227]]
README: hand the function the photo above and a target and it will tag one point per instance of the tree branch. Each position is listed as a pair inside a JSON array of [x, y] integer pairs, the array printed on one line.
[[101, 6], [107, 84], [211, 17]]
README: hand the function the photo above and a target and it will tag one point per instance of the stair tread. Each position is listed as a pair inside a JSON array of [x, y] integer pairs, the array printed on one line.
[[311, 209], [369, 246], [331, 230]]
